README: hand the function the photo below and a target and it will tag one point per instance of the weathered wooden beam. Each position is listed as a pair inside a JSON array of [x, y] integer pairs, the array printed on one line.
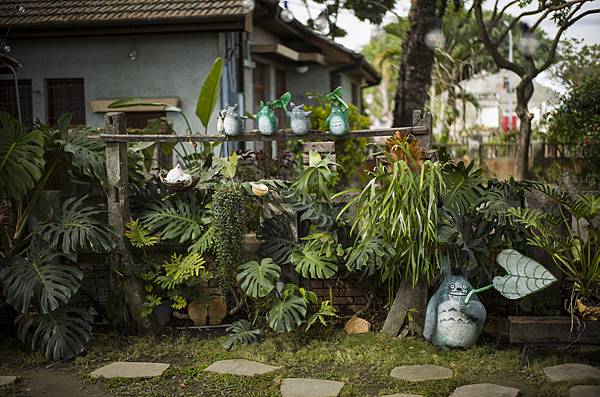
[[254, 135], [123, 281]]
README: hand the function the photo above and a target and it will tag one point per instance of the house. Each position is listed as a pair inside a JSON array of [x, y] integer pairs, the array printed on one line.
[[496, 104], [79, 56]]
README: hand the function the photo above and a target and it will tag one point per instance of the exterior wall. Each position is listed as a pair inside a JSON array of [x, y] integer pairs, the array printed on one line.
[[172, 65], [316, 79]]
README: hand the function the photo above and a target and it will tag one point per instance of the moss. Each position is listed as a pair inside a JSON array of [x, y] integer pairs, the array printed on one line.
[[363, 362]]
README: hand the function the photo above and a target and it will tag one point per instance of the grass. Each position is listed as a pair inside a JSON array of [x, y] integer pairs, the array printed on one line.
[[363, 362]]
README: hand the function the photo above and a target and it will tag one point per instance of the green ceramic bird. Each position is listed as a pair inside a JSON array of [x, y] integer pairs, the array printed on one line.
[[337, 122]]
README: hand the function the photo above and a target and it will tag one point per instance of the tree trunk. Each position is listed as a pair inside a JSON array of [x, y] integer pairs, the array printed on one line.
[[409, 302], [524, 93], [414, 77]]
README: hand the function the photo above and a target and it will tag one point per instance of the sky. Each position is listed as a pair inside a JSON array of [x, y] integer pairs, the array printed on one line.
[[359, 33]]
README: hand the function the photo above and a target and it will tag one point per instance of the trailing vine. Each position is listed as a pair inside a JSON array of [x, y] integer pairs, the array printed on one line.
[[229, 219]]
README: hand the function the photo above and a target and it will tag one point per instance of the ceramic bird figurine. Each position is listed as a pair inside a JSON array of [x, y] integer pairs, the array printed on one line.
[[265, 118], [299, 119], [229, 121], [337, 121]]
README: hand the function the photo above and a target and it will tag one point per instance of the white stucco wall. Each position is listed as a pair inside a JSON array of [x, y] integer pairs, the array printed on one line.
[[167, 65]]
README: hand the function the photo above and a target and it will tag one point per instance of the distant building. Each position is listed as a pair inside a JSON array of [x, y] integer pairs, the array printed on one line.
[[494, 114], [78, 56]]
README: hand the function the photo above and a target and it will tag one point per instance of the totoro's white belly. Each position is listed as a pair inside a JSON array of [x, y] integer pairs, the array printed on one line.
[[337, 125], [265, 125], [454, 328], [299, 126]]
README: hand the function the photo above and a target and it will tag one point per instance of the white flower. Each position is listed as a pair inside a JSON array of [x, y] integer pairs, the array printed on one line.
[[259, 189]]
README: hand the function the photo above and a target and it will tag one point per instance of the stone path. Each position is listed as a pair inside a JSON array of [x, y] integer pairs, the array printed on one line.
[[485, 389], [7, 380], [240, 367], [121, 369], [419, 373], [584, 391], [402, 395], [571, 372], [300, 387]]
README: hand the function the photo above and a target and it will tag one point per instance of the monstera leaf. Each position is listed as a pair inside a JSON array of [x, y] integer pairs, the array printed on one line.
[[287, 313], [76, 227], [311, 263], [38, 275], [59, 335], [524, 275], [257, 280], [277, 239], [463, 186], [21, 157], [240, 332]]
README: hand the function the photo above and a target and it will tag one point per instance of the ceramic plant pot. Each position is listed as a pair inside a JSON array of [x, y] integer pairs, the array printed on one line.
[[299, 119], [337, 122], [448, 321], [163, 314]]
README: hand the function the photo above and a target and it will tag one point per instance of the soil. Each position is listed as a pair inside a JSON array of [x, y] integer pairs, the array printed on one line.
[[44, 382]]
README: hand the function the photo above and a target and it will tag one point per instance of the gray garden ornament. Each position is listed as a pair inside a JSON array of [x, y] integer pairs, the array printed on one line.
[[299, 119], [455, 315], [229, 121]]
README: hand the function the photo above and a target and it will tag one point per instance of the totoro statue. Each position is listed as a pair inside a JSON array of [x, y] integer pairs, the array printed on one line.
[[299, 119], [229, 121], [337, 122], [448, 321]]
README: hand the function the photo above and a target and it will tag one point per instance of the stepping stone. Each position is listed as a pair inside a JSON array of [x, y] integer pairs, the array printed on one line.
[[571, 372], [240, 367], [299, 387], [7, 380], [584, 391], [403, 395], [419, 373], [121, 369], [485, 389]]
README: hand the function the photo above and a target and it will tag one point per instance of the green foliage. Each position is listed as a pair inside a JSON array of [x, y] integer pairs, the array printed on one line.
[[326, 311], [228, 167], [21, 158], [87, 156], [209, 93], [316, 177], [178, 217], [181, 269], [282, 102], [277, 239], [77, 227], [59, 335], [463, 186], [576, 62], [369, 256], [39, 276], [258, 280], [240, 332], [139, 236], [287, 312], [311, 263]]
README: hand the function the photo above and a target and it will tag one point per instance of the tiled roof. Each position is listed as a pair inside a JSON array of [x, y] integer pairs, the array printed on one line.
[[77, 12]]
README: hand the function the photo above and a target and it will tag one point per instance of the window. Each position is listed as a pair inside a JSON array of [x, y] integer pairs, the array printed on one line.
[[356, 99], [139, 120], [280, 88], [260, 84], [66, 96], [8, 100]]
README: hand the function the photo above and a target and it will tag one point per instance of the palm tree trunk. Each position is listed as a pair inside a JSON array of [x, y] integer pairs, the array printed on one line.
[[414, 77]]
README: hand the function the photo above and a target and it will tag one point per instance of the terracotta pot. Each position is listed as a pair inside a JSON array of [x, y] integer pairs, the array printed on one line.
[[198, 312], [217, 311]]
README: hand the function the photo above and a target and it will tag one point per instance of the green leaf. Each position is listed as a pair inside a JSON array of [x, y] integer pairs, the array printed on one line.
[[209, 94], [525, 276], [311, 263], [61, 334], [287, 313], [181, 269], [258, 280], [77, 227], [326, 310], [86, 155], [139, 236], [21, 158], [463, 186], [39, 276], [277, 239], [240, 332]]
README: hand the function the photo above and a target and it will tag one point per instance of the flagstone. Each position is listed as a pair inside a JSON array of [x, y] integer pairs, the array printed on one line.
[[419, 373], [584, 391], [403, 395], [7, 380], [122, 369], [485, 389], [571, 372], [240, 367], [300, 387]]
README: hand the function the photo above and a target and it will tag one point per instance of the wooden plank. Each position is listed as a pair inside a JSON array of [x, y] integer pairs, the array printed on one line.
[[524, 329], [254, 135]]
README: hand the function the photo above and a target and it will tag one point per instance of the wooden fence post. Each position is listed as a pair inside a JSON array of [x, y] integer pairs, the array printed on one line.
[[408, 299], [127, 311]]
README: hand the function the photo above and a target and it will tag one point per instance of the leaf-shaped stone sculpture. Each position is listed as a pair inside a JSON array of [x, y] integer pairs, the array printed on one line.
[[524, 275]]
